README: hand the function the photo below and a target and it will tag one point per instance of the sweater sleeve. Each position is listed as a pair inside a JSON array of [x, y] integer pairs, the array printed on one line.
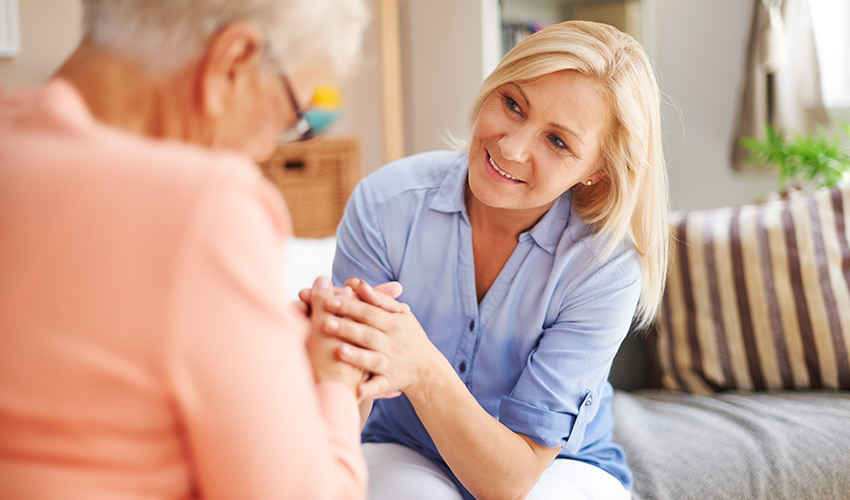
[[255, 423]]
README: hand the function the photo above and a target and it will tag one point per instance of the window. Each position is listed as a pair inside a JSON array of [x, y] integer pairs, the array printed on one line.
[[10, 42], [830, 20]]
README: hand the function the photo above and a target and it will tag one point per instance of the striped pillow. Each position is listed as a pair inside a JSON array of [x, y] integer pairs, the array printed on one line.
[[758, 297]]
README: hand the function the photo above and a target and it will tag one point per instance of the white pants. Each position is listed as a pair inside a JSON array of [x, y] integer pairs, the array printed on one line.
[[399, 473]]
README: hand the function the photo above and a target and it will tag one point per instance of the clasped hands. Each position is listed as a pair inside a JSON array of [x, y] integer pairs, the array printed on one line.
[[365, 338]]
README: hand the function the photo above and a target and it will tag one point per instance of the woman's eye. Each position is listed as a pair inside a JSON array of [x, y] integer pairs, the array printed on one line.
[[557, 142], [511, 104]]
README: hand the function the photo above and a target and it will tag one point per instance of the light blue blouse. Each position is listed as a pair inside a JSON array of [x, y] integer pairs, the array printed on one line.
[[537, 349]]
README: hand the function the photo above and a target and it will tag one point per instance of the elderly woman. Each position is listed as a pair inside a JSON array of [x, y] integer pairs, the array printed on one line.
[[524, 259], [145, 350]]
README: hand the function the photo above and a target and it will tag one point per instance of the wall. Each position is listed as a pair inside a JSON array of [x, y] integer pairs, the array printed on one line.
[[443, 50], [544, 11], [49, 31], [697, 46], [362, 92], [699, 49]]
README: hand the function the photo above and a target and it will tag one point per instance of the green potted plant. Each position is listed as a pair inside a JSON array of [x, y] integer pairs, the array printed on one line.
[[811, 160]]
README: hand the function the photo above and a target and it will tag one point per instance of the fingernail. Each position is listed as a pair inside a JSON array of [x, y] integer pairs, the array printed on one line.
[[331, 325], [334, 304], [323, 282], [345, 351]]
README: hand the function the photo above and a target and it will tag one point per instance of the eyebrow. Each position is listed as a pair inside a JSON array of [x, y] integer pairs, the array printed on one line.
[[522, 93], [552, 124]]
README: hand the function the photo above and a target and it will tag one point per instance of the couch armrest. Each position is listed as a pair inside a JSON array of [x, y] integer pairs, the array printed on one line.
[[631, 367]]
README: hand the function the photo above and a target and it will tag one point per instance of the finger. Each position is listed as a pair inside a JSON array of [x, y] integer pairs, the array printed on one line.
[[304, 297], [352, 282], [370, 361], [306, 293], [385, 302], [361, 312], [319, 299], [391, 288], [375, 388], [322, 282], [354, 333], [387, 395], [301, 307]]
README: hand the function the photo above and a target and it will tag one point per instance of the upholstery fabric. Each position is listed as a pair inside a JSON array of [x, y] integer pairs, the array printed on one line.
[[758, 297], [731, 446]]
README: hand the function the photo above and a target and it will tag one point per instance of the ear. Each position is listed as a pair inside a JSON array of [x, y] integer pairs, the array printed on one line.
[[232, 58], [595, 177]]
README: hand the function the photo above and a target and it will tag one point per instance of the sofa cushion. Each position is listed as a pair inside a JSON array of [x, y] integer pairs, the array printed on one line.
[[758, 297], [735, 446]]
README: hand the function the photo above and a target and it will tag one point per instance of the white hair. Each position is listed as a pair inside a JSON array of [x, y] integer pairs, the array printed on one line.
[[163, 34]]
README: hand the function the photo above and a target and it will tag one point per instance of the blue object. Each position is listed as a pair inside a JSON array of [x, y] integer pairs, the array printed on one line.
[[321, 119], [537, 350]]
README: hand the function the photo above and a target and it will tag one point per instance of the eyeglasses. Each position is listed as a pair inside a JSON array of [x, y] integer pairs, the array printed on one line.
[[302, 130]]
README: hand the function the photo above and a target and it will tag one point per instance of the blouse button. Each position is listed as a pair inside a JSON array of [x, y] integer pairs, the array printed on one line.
[[471, 325], [462, 367], [588, 401]]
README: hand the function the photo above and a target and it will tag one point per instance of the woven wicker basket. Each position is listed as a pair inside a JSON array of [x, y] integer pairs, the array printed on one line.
[[316, 177]]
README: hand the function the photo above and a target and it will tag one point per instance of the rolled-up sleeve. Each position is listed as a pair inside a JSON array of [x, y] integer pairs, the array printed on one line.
[[559, 390]]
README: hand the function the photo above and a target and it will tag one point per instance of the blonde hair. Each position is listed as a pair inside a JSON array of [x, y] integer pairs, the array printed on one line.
[[163, 34], [631, 200]]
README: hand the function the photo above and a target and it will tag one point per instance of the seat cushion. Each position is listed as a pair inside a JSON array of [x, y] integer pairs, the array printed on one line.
[[747, 446]]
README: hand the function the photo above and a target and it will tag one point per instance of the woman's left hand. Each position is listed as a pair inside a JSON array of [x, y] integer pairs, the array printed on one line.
[[391, 345]]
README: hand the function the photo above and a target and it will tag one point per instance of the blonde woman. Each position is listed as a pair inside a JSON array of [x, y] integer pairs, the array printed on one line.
[[146, 351], [524, 261]]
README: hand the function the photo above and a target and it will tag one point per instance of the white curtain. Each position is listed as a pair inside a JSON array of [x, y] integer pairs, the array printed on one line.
[[782, 76]]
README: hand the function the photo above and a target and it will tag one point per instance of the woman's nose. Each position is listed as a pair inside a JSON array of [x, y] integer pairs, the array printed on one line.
[[515, 146]]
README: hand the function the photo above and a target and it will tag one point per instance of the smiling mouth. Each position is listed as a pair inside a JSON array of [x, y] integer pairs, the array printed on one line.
[[500, 171]]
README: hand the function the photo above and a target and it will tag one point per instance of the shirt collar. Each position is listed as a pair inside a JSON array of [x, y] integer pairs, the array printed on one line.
[[546, 233], [451, 194], [549, 229]]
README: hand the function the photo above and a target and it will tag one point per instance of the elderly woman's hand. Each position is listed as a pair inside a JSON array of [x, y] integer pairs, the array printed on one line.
[[382, 337], [392, 289], [322, 348]]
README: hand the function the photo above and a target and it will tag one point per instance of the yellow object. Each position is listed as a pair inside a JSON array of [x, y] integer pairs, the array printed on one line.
[[327, 97]]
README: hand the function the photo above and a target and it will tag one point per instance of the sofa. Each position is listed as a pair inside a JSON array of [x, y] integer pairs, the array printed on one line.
[[741, 388]]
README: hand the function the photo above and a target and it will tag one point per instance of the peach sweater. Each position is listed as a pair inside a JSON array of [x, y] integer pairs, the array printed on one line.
[[145, 347]]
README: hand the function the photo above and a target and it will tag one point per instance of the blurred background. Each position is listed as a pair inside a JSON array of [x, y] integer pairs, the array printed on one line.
[[424, 60]]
